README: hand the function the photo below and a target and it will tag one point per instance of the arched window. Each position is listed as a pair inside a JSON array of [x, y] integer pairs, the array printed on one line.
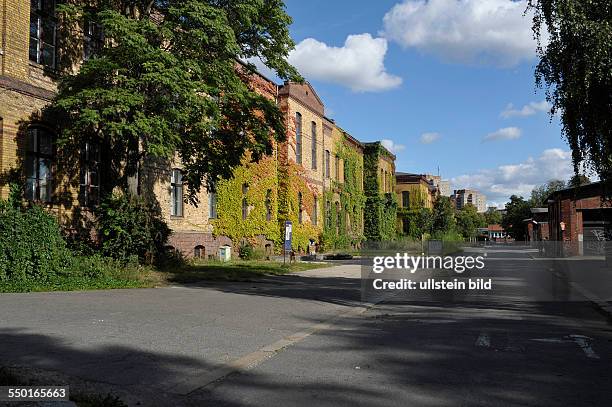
[[38, 163], [199, 252], [300, 207], [298, 138]]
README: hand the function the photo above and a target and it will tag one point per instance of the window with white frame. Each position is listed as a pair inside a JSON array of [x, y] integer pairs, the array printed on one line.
[[90, 174], [212, 205], [176, 193], [93, 39], [43, 32], [38, 162]]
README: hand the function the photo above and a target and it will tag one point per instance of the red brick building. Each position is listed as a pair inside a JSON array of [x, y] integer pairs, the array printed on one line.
[[580, 217]]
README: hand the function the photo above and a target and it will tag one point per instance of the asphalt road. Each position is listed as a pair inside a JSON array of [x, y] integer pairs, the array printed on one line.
[[306, 340]]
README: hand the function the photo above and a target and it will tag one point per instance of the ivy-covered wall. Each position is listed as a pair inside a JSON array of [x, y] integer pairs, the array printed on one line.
[[380, 215], [261, 191], [344, 219], [292, 182]]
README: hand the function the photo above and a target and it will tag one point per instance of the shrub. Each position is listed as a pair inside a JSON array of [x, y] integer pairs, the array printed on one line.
[[245, 251], [131, 226], [31, 245]]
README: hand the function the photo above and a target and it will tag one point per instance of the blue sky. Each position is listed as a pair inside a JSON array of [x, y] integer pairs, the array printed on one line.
[[435, 79]]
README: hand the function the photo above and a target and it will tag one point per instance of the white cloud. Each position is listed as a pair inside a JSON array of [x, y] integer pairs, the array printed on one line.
[[428, 138], [507, 133], [465, 31], [519, 179], [392, 146], [359, 64], [527, 110]]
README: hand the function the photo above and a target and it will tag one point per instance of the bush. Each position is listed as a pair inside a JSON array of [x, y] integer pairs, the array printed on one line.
[[131, 226], [31, 245], [247, 251]]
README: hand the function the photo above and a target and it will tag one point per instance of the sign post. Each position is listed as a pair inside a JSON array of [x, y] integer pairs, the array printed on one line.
[[287, 245]]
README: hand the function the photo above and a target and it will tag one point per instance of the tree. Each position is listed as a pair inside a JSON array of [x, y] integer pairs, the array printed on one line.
[[517, 210], [578, 180], [492, 217], [443, 215], [540, 194], [166, 83], [468, 221], [575, 38]]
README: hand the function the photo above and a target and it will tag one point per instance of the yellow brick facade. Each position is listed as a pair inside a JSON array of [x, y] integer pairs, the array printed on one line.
[[27, 87]]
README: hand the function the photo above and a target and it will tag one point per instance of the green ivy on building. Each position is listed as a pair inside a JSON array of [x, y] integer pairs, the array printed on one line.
[[380, 215]]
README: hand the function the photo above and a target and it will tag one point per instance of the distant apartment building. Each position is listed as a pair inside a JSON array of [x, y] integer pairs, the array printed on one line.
[[443, 186], [463, 197]]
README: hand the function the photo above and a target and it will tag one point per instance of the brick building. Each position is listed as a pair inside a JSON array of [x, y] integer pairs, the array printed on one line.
[[580, 217], [294, 179]]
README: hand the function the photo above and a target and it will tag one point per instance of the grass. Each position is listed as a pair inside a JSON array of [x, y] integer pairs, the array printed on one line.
[[146, 277], [237, 270]]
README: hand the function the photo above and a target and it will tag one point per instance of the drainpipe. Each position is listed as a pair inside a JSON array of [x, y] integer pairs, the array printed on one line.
[[3, 44]]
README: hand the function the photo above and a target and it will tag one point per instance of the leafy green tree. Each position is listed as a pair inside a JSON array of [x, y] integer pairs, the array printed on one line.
[[575, 40], [540, 194], [517, 210], [492, 217], [166, 83], [468, 221], [443, 215]]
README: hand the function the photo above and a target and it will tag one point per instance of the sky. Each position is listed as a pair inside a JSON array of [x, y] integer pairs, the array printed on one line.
[[445, 84]]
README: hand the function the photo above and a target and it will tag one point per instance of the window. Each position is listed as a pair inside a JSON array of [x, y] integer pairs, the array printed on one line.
[[269, 205], [313, 126], [42, 32], [212, 205], [300, 207], [39, 158], [315, 209], [406, 226], [176, 193], [298, 138], [327, 163], [406, 199], [245, 203], [328, 213], [93, 39], [90, 174], [337, 168], [199, 252]]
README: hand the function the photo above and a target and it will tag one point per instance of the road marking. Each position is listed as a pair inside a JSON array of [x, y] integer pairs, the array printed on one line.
[[483, 340], [251, 360], [585, 344]]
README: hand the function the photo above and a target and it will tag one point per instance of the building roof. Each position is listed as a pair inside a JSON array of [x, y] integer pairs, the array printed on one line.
[[583, 191]]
